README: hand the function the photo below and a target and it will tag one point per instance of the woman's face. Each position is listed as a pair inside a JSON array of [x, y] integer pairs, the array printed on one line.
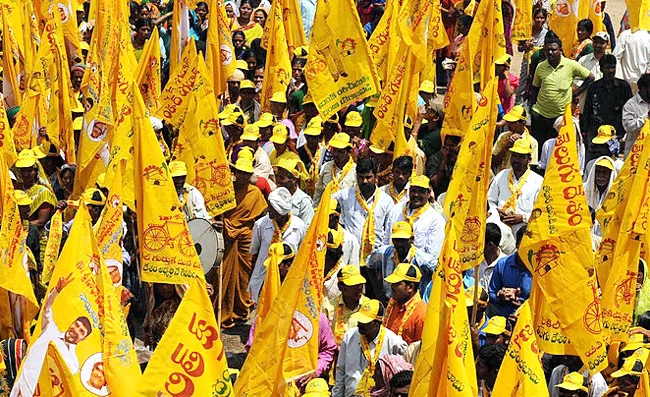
[[67, 177], [258, 77], [237, 41], [259, 17], [144, 13], [582, 33], [245, 11], [229, 11], [539, 20], [297, 71], [201, 11], [251, 61]]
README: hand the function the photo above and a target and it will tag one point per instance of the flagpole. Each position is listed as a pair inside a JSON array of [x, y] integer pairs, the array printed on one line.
[[475, 306]]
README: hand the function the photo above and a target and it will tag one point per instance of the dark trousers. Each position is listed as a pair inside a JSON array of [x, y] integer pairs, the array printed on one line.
[[541, 128]]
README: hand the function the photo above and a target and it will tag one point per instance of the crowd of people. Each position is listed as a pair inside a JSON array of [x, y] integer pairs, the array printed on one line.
[[386, 218]]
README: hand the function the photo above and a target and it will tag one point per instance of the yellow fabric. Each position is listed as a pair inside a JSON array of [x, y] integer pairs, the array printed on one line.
[[109, 231], [55, 378], [592, 10], [338, 67], [220, 54], [7, 145], [346, 169], [292, 25], [486, 41], [511, 203], [521, 374], [271, 286], [522, 27], [277, 72], [167, 252], [367, 381], [563, 20], [467, 191], [148, 72], [286, 343], [638, 14], [190, 358], [174, 99], [177, 45], [558, 237], [459, 102], [618, 256], [211, 172], [368, 234], [53, 246], [446, 369], [12, 44]]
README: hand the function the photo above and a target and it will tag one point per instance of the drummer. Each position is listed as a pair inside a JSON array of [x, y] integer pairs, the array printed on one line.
[[190, 197]]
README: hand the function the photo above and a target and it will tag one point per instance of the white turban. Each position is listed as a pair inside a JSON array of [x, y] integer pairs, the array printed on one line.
[[156, 123], [280, 200]]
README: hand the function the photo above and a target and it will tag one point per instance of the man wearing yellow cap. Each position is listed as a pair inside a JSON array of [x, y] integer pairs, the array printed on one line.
[[516, 123], [265, 124], [573, 364], [508, 82], [600, 178], [361, 348], [280, 140], [43, 199], [311, 152], [247, 102], [604, 144], [288, 176], [339, 310], [513, 191], [573, 385], [341, 170], [261, 162], [191, 199], [365, 209], [406, 311], [427, 223], [352, 127]]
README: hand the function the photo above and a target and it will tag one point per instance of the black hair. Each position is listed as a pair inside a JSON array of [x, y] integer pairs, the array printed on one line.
[[86, 323], [142, 22], [492, 234], [377, 11], [492, 355], [302, 61], [203, 4], [607, 60], [401, 379], [413, 273], [644, 81], [248, 53], [552, 38], [250, 2], [586, 25], [540, 10], [403, 163], [643, 320], [465, 20], [367, 164], [238, 33], [287, 249]]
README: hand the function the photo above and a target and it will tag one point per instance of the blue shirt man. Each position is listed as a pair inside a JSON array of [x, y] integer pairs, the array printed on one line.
[[510, 284]]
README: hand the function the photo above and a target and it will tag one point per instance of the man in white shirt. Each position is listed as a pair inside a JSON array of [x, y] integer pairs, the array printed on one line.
[[191, 199], [492, 253], [398, 188], [363, 206], [427, 223], [633, 54], [357, 359], [341, 171], [261, 161], [65, 342], [513, 191], [636, 111], [288, 176], [279, 225]]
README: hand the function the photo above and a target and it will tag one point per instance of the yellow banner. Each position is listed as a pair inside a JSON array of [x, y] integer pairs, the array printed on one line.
[[339, 68], [522, 27], [592, 10], [277, 70], [459, 100], [55, 378], [68, 15], [521, 374], [167, 252], [639, 14], [174, 98], [190, 359], [148, 72], [467, 193], [292, 23], [557, 238], [53, 246], [220, 55], [563, 20], [14, 75], [180, 31], [486, 41], [7, 145], [379, 41], [437, 39], [286, 343], [109, 231]]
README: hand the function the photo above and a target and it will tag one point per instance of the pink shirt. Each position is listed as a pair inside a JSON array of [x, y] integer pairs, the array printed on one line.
[[506, 102]]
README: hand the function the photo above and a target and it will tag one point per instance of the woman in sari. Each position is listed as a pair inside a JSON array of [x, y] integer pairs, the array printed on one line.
[[237, 234], [245, 23], [584, 45]]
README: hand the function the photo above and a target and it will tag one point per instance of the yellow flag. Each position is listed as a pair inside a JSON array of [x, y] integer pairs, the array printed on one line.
[[167, 252], [190, 359], [639, 14], [292, 24], [13, 62], [7, 145], [486, 40], [379, 43], [53, 246], [174, 98], [623, 217], [286, 343], [437, 39], [277, 71], [68, 16], [445, 366], [55, 378], [557, 250], [180, 31], [459, 101], [109, 227], [593, 11], [148, 72], [521, 374], [201, 130], [339, 68], [563, 20], [467, 193], [271, 286], [522, 27], [219, 55]]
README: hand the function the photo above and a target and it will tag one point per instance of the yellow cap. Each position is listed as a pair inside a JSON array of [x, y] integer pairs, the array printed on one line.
[[84, 46], [606, 163], [22, 198], [404, 272], [340, 141], [301, 52], [333, 205], [504, 59], [101, 178], [522, 146], [633, 365], [45, 149], [278, 97], [265, 120], [225, 113], [177, 168], [236, 117], [315, 126], [26, 159], [251, 133], [353, 119], [634, 342], [517, 113], [427, 86], [280, 134], [290, 165], [317, 388], [244, 161], [241, 64], [78, 123], [351, 275], [246, 84], [307, 99], [573, 381], [370, 311], [93, 196], [402, 230], [335, 238], [496, 326], [419, 181], [605, 134], [469, 296]]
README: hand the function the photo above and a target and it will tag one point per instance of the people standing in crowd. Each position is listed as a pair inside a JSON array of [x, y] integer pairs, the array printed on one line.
[[340, 171], [636, 112]]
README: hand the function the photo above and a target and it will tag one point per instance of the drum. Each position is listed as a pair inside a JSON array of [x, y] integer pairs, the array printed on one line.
[[208, 243]]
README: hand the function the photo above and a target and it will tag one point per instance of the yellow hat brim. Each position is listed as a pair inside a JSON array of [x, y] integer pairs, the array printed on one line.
[[361, 318], [354, 123], [354, 280], [494, 329], [599, 140], [511, 118], [520, 150], [25, 163], [313, 131], [244, 168], [339, 145], [571, 387], [401, 234], [249, 137]]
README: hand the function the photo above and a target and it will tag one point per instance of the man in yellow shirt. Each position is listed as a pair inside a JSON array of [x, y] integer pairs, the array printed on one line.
[[339, 310]]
